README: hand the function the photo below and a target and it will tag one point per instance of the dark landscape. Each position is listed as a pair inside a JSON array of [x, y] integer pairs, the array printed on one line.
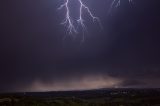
[[80, 53], [100, 97]]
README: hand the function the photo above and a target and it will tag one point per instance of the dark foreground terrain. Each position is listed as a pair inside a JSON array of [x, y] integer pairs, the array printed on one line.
[[102, 97]]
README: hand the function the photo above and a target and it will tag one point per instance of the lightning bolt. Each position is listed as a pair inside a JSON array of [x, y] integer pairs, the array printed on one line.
[[68, 21], [72, 24], [80, 20], [116, 3]]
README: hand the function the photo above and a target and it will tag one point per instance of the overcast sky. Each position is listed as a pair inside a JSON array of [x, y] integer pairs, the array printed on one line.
[[37, 54]]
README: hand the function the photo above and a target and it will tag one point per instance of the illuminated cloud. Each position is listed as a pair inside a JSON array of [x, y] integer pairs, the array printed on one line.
[[84, 83]]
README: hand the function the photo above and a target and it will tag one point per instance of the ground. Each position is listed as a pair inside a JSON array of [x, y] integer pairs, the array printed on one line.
[[102, 97]]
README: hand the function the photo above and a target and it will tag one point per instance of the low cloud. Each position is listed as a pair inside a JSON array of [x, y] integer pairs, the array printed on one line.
[[83, 83]]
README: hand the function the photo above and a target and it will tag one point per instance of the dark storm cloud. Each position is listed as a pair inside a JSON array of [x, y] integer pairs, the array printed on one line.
[[34, 55]]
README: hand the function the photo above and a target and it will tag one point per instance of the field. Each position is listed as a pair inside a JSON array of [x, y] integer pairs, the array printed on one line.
[[101, 97]]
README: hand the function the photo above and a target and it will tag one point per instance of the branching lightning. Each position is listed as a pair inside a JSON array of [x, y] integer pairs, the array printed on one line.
[[81, 20], [68, 21], [72, 24], [116, 3]]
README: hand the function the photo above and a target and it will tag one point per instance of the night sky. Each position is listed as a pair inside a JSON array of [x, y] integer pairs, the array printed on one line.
[[37, 54]]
